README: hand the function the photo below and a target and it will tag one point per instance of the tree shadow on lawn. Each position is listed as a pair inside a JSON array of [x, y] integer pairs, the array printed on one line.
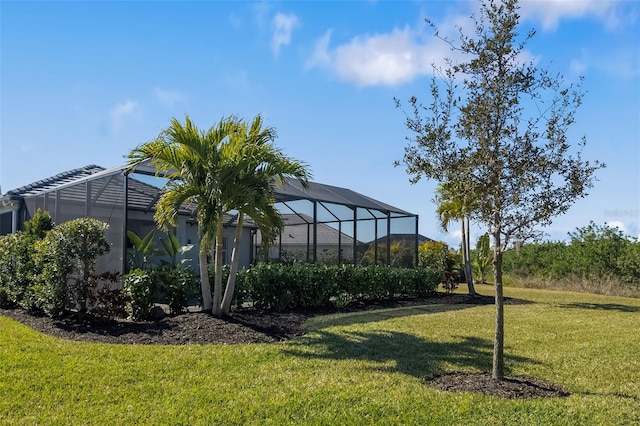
[[344, 319], [411, 355], [603, 306], [459, 365]]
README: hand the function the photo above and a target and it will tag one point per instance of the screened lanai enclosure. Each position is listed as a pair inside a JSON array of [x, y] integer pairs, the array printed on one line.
[[323, 223]]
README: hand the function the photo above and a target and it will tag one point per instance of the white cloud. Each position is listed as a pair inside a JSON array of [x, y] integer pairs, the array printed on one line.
[[168, 97], [282, 26], [617, 224], [578, 67], [404, 54], [381, 59], [396, 57], [261, 12], [630, 229], [550, 12], [320, 56], [623, 63], [123, 112]]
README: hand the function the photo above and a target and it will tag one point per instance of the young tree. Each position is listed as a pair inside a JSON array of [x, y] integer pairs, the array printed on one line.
[[496, 128]]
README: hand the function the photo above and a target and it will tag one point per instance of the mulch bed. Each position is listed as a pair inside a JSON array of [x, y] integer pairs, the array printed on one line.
[[510, 387], [251, 326]]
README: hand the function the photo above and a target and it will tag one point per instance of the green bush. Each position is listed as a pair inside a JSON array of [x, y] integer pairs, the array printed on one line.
[[53, 293], [174, 286], [280, 287], [18, 267], [629, 263], [68, 255], [4, 298], [593, 252], [166, 284], [139, 287]]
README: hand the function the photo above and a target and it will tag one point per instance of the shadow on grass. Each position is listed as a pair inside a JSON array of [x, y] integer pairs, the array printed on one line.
[[376, 315], [609, 395], [603, 306], [410, 354]]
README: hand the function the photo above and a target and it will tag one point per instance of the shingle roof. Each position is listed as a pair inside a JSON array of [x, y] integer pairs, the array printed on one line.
[[296, 231]]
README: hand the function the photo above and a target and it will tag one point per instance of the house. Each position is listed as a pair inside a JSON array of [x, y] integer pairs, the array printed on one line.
[[321, 221], [298, 238]]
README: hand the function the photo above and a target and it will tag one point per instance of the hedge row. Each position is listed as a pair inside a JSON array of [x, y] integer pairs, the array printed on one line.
[[280, 287]]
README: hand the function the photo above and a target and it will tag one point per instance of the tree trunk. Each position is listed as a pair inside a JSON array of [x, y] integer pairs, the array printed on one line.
[[231, 281], [204, 278], [83, 286], [498, 343], [216, 309], [468, 271]]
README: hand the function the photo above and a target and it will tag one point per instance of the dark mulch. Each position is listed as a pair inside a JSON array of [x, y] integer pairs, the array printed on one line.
[[243, 326], [251, 326], [510, 387]]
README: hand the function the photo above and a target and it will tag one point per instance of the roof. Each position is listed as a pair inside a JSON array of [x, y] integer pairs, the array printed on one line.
[[56, 181], [296, 232], [144, 196], [141, 196], [292, 190]]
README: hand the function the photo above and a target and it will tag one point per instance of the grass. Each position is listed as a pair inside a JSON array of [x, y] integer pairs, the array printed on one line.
[[608, 284], [360, 368]]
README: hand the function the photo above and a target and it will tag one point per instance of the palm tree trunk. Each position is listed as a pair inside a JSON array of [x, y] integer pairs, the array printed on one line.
[[467, 264], [217, 284], [231, 281], [204, 279]]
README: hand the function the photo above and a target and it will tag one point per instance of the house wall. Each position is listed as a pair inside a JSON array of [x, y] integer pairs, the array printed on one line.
[[299, 251], [190, 233], [64, 212]]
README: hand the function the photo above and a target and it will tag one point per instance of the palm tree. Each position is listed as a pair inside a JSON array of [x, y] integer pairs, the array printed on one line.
[[232, 167], [191, 159], [452, 207], [259, 167]]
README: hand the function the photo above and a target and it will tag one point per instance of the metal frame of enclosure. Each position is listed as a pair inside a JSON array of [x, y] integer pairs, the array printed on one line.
[[338, 225], [322, 223]]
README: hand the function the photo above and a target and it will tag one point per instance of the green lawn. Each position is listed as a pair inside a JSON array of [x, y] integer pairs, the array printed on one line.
[[362, 368]]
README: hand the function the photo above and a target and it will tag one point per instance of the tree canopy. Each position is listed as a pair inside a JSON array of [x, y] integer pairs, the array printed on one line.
[[497, 128], [231, 167]]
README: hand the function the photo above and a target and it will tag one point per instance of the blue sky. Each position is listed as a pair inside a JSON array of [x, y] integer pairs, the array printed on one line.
[[85, 82]]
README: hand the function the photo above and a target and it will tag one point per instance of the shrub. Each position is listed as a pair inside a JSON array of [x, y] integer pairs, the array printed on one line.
[[68, 255], [53, 294], [164, 284], [4, 298], [138, 286], [594, 252], [174, 286], [18, 267], [106, 301], [281, 287], [629, 263]]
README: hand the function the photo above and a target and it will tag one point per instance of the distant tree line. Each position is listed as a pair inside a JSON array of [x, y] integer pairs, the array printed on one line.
[[593, 252]]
